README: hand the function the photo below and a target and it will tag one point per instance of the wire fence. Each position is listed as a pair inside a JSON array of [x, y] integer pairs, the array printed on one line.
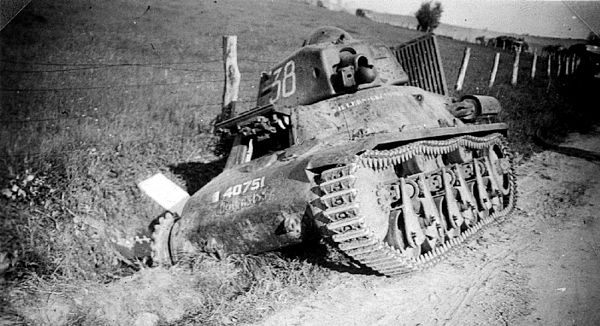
[[74, 67], [18, 67], [78, 67], [157, 75], [62, 117], [63, 89], [123, 64]]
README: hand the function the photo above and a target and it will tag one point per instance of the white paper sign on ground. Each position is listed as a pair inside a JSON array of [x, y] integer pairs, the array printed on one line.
[[165, 192]]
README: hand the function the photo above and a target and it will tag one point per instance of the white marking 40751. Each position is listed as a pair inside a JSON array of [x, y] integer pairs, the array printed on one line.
[[241, 188], [286, 85]]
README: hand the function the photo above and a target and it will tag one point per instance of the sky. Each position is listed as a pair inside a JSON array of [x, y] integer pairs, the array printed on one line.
[[563, 19]]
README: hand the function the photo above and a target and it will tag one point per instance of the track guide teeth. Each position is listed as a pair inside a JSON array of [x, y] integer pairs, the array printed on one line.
[[386, 265], [340, 198], [339, 172], [353, 234], [378, 261], [334, 185], [342, 212], [378, 257], [365, 250], [368, 255], [358, 244], [345, 222]]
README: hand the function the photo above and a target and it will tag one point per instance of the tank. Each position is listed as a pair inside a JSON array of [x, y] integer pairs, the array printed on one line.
[[344, 145]]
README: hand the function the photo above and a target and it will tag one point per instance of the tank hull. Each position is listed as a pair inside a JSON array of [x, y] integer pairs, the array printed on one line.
[[265, 204]]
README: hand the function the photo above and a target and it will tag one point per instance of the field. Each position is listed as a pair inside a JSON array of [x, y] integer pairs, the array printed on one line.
[[97, 96]]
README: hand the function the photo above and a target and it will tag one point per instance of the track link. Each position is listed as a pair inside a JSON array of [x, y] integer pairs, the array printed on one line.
[[346, 224]]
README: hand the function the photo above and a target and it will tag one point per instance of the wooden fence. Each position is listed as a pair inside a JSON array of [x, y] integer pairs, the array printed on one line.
[[558, 65]]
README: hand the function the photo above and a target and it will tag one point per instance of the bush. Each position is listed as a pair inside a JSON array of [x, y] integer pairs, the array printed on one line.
[[429, 16]]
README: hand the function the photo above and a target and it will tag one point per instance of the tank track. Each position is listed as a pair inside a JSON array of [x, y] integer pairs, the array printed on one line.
[[484, 199]]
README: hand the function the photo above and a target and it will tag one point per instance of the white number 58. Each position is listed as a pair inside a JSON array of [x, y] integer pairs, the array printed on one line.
[[286, 86]]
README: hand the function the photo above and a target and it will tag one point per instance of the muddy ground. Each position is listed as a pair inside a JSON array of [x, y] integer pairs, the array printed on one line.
[[538, 266]]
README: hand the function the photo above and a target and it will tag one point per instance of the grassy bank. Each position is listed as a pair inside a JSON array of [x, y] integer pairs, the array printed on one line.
[[96, 96]]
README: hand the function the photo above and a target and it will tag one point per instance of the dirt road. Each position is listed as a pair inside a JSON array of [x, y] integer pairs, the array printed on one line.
[[539, 266]]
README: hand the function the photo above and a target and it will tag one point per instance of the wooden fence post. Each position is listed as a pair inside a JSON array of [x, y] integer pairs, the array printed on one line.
[[571, 64], [463, 69], [559, 69], [232, 77], [494, 70], [568, 65], [533, 64], [239, 151], [515, 71], [549, 72]]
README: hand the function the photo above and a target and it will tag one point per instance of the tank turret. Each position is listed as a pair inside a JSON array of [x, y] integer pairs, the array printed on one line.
[[330, 63]]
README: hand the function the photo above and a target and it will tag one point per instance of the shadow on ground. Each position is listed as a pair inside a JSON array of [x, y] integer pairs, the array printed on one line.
[[196, 175], [317, 253]]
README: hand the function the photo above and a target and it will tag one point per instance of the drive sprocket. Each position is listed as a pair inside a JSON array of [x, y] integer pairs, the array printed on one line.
[[161, 236]]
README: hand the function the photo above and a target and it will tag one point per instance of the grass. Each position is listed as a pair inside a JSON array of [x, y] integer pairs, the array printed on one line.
[[203, 290], [97, 96]]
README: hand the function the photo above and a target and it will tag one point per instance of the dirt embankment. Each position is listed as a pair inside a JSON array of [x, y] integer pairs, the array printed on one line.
[[537, 266]]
